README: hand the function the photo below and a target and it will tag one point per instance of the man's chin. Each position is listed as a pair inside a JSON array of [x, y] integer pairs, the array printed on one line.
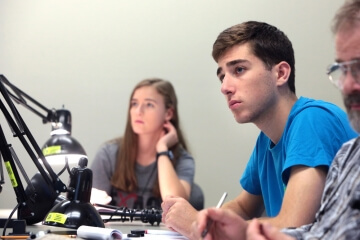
[[354, 118], [241, 120]]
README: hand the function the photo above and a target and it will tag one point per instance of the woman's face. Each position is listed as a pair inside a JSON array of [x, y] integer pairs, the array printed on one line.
[[147, 111]]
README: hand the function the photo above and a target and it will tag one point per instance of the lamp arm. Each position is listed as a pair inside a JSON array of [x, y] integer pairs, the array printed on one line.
[[12, 170], [2, 180], [43, 191], [49, 182], [25, 131], [20, 97]]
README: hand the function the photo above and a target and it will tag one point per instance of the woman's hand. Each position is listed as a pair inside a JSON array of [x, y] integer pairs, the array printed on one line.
[[168, 137], [169, 182]]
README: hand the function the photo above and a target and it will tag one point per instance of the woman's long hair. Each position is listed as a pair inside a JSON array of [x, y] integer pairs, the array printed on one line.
[[124, 177]]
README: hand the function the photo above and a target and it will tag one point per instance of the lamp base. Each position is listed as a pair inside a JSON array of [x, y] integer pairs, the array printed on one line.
[[73, 214], [40, 199]]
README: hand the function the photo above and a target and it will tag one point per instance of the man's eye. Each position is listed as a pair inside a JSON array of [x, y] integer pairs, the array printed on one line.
[[149, 105], [221, 78], [239, 69], [357, 66]]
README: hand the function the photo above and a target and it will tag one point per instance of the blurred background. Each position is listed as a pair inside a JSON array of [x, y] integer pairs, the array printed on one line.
[[87, 55]]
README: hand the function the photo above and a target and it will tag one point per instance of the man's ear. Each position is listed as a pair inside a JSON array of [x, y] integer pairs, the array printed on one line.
[[169, 114], [283, 71]]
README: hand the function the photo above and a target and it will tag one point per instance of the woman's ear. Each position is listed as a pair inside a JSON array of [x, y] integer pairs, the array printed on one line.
[[283, 70], [169, 114]]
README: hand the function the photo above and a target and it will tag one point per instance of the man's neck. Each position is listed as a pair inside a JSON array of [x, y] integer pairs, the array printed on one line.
[[273, 122]]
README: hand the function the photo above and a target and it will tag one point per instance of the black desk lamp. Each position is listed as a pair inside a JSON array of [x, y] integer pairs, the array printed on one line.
[[76, 210], [43, 191]]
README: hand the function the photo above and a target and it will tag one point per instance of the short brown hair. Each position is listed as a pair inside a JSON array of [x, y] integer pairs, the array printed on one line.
[[267, 43]]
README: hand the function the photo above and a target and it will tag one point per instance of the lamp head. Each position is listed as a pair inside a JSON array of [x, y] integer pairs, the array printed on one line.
[[60, 120], [61, 145]]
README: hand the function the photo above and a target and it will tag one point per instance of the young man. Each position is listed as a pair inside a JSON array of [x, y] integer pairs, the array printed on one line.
[[339, 213], [299, 136]]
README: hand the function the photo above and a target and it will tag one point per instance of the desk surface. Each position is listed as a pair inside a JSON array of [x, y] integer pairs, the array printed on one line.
[[124, 227]]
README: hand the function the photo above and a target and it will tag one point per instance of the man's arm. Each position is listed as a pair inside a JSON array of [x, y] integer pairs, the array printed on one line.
[[178, 214], [246, 205], [302, 197], [258, 231], [300, 203]]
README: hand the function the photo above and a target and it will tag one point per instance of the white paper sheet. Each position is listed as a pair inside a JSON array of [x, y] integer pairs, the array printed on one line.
[[88, 232]]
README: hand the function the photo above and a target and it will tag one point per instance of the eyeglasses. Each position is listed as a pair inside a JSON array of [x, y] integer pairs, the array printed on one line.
[[338, 71]]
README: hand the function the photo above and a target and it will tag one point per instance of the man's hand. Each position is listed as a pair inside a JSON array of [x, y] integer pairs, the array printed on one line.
[[226, 225], [178, 214], [258, 231]]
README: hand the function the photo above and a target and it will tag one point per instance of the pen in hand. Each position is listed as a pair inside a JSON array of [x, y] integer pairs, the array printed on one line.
[[209, 223]]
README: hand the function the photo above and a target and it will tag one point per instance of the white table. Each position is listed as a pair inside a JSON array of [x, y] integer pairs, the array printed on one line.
[[124, 227]]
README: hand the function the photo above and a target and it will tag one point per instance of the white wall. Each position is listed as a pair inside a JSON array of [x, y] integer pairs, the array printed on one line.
[[88, 55]]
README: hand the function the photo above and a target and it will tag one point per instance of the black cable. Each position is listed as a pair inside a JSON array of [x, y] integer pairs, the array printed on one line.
[[127, 214], [9, 218], [66, 167]]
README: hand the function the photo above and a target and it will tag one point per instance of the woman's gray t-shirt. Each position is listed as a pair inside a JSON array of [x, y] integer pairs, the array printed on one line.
[[103, 167]]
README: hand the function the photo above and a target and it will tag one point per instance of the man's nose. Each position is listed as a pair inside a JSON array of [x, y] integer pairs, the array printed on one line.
[[351, 82], [227, 85]]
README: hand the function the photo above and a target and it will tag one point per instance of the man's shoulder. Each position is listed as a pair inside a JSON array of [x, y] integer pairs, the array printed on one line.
[[310, 106], [304, 102]]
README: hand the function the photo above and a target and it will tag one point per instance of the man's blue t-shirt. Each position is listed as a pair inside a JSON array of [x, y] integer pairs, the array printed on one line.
[[314, 132]]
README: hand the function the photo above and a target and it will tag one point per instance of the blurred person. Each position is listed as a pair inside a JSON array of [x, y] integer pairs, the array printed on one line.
[[151, 160]]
